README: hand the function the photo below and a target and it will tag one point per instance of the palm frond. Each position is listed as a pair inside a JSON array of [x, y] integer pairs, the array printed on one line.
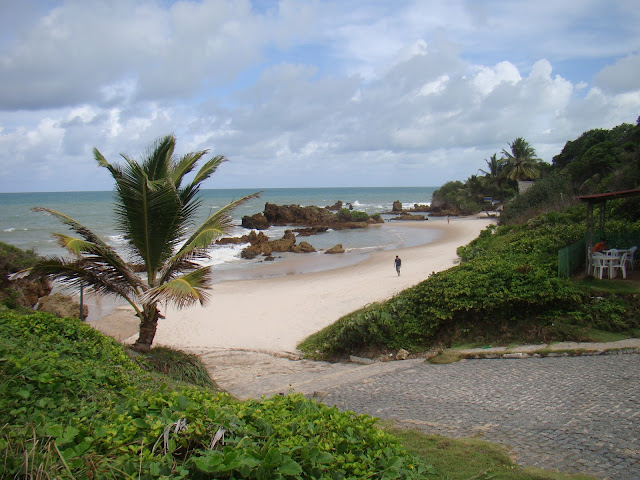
[[115, 170], [77, 246], [77, 227], [184, 166], [182, 291], [92, 245], [149, 216], [158, 162], [197, 244], [208, 169], [84, 273], [213, 227]]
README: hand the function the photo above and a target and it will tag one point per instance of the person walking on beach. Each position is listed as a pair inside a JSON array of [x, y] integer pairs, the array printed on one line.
[[398, 263]]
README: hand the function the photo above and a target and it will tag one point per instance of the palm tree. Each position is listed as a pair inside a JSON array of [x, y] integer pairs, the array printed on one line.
[[154, 211], [521, 162], [495, 165], [493, 177]]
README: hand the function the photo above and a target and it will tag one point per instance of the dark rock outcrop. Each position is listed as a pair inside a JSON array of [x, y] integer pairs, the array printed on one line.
[[307, 232], [253, 238], [261, 245], [409, 217], [446, 209], [250, 253], [420, 208], [257, 222], [312, 217], [29, 291], [284, 244], [397, 206], [335, 249], [297, 215], [303, 247]]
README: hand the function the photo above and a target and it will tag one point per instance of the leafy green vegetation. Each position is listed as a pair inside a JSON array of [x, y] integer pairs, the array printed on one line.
[[13, 259], [73, 404], [505, 290], [598, 161], [500, 181], [346, 215]]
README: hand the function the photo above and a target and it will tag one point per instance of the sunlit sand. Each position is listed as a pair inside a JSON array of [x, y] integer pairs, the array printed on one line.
[[275, 314]]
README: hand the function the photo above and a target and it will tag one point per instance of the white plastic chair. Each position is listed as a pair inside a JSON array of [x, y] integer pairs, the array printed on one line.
[[618, 262], [631, 254], [599, 263]]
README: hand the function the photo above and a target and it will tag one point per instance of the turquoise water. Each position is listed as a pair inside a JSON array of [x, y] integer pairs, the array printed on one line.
[[25, 229]]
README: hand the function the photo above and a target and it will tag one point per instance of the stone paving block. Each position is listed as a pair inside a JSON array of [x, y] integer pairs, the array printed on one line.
[[573, 414]]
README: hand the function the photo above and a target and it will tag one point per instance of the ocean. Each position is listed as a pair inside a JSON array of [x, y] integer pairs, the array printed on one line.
[[21, 227]]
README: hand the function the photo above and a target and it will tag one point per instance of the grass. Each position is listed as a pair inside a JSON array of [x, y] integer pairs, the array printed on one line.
[[621, 287], [469, 458], [444, 357], [602, 336], [177, 365]]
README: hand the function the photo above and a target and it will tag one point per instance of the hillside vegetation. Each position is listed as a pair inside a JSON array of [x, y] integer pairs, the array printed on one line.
[[506, 288], [598, 161]]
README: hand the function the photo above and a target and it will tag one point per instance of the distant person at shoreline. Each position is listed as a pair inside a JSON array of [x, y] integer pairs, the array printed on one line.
[[398, 263], [448, 219]]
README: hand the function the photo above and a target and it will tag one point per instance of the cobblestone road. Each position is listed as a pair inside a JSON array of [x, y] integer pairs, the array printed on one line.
[[573, 414]]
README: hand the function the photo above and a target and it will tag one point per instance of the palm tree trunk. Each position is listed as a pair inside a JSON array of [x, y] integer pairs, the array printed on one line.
[[148, 326]]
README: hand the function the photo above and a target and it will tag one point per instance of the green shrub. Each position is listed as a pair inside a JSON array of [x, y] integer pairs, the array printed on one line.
[[73, 404], [549, 193], [347, 215], [13, 259], [505, 289]]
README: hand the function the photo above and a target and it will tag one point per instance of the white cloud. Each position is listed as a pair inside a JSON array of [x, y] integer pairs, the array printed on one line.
[[487, 78], [621, 77], [302, 93]]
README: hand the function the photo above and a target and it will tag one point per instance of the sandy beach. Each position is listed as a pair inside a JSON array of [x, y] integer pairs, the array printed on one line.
[[272, 315]]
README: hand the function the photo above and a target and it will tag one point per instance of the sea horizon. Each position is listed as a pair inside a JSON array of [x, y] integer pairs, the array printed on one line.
[[222, 188], [25, 229]]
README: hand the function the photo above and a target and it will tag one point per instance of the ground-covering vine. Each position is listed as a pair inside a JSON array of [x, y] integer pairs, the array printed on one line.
[[73, 404]]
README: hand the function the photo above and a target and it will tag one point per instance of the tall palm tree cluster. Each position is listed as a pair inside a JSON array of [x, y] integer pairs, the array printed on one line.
[[500, 179], [155, 209], [518, 163]]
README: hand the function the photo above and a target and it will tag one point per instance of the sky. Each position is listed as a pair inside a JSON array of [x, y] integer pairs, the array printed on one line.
[[307, 93]]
